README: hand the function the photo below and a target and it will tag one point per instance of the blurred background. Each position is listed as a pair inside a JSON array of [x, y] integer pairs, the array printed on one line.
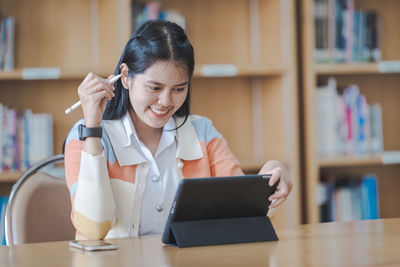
[[313, 83]]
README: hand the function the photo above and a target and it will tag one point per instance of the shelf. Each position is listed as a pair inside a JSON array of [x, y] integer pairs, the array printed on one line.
[[210, 71], [10, 177], [358, 68], [389, 157], [231, 70], [44, 74]]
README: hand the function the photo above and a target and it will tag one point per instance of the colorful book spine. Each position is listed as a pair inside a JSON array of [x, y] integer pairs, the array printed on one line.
[[349, 198], [346, 123], [25, 138], [7, 43], [151, 10], [3, 205], [351, 35]]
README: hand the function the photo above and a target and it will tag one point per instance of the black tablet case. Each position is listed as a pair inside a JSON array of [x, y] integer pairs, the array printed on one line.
[[223, 210]]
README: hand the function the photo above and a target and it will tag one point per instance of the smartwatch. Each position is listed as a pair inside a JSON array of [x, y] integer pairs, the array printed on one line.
[[89, 132]]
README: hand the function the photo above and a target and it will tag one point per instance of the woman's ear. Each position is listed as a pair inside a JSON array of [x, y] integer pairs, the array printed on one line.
[[125, 77]]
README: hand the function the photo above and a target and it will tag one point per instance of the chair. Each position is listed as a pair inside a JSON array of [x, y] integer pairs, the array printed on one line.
[[39, 207]]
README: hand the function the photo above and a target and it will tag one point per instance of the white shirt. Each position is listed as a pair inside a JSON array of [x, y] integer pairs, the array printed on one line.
[[161, 179]]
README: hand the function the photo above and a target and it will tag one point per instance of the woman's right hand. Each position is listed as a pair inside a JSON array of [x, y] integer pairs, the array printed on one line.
[[94, 92]]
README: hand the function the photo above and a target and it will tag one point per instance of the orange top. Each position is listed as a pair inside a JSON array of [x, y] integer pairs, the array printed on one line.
[[107, 190]]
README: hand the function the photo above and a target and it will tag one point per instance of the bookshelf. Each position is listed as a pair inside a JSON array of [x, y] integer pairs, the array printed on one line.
[[10, 177], [255, 108], [378, 81]]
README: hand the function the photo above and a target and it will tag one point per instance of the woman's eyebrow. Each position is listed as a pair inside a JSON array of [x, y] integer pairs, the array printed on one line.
[[182, 84], [158, 83]]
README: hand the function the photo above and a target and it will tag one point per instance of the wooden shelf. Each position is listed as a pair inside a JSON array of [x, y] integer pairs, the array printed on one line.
[[11, 75], [346, 68], [248, 71], [389, 157], [10, 177], [236, 71], [18, 75], [358, 68], [376, 83]]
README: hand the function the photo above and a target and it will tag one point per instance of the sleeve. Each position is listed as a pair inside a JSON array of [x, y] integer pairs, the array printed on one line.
[[222, 161], [93, 211]]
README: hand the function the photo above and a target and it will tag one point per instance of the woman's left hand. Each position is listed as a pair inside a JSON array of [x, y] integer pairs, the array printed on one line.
[[279, 172]]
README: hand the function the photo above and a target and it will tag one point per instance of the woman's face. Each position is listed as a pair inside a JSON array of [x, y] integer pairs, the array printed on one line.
[[158, 93]]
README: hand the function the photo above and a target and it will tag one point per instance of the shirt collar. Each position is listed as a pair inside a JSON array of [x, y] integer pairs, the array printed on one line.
[[121, 132], [167, 137]]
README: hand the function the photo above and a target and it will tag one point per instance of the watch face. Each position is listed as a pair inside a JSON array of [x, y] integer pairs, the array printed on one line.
[[80, 126]]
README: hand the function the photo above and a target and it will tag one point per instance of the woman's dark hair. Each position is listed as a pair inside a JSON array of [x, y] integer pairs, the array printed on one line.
[[153, 41]]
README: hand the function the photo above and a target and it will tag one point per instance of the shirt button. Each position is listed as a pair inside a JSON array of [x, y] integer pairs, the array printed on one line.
[[156, 178], [160, 208], [180, 165]]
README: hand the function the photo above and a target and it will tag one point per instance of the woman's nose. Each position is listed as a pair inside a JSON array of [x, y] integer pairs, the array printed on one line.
[[165, 97]]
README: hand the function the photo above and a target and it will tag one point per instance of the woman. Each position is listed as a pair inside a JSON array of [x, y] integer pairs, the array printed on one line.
[[137, 140]]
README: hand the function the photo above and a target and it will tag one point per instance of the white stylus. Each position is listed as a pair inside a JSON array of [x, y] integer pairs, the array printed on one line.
[[77, 104]]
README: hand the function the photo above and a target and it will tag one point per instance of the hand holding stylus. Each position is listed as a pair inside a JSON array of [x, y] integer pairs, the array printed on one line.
[[77, 104], [94, 91]]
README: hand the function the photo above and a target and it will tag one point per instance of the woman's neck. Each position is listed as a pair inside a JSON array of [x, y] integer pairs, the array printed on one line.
[[149, 136]]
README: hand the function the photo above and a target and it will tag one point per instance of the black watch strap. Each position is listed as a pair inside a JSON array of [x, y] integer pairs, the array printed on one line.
[[89, 132]]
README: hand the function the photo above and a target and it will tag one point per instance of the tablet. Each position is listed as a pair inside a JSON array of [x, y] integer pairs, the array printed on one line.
[[199, 199]]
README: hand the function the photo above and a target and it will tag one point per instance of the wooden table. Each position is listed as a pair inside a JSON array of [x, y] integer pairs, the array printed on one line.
[[364, 243]]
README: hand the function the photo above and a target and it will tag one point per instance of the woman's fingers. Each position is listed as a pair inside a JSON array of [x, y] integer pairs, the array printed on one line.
[[282, 191], [94, 84], [279, 172], [275, 175], [275, 203], [98, 88], [100, 96]]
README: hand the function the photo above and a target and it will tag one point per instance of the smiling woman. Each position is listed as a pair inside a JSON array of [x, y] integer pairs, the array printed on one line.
[[122, 182], [155, 96]]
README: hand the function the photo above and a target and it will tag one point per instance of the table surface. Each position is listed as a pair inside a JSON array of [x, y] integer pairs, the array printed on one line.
[[360, 243]]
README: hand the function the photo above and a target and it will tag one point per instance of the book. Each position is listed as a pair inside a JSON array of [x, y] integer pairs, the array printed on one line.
[[2, 132], [321, 30], [7, 43], [25, 138], [370, 200], [376, 128], [346, 123], [326, 116], [349, 198], [151, 10], [3, 205], [344, 33]]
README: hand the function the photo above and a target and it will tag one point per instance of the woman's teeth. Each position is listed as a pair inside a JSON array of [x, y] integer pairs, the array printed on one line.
[[158, 111]]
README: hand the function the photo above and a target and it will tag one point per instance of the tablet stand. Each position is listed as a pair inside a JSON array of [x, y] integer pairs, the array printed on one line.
[[222, 231]]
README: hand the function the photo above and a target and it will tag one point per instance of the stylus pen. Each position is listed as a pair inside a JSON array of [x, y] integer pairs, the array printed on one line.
[[77, 104]]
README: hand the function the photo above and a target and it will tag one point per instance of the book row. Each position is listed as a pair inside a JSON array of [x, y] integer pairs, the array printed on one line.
[[346, 123], [7, 43], [142, 12], [349, 199], [25, 138], [345, 34]]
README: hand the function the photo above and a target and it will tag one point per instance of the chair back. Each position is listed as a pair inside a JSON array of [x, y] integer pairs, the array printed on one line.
[[39, 207]]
